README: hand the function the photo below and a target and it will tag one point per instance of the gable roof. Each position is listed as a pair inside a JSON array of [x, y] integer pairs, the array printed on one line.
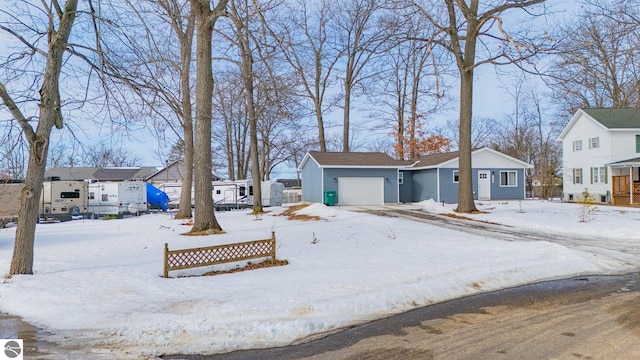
[[608, 119], [441, 160], [352, 159], [100, 173], [616, 118]]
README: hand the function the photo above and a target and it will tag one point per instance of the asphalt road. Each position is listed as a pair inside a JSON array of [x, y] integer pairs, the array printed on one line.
[[594, 317]]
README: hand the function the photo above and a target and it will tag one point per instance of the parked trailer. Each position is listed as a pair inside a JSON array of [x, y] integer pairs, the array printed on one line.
[[64, 200], [230, 194], [117, 198], [9, 201]]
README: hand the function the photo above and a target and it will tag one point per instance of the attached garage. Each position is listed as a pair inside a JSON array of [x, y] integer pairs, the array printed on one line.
[[360, 191]]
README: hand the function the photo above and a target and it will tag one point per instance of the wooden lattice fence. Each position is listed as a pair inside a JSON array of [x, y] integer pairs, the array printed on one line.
[[220, 254]]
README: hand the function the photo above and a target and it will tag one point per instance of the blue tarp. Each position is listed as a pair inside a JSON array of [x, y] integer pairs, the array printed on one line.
[[157, 197]]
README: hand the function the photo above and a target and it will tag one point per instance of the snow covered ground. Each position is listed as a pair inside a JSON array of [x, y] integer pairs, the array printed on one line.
[[98, 284]]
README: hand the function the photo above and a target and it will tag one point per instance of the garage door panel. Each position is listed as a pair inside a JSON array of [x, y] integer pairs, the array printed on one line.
[[361, 191]]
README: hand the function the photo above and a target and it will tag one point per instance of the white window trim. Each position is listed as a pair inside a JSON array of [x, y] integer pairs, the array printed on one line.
[[597, 142], [400, 178], [455, 172], [598, 175], [573, 173], [509, 171], [577, 145]]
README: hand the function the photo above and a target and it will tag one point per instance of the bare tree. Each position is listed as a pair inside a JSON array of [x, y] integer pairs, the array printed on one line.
[[13, 154], [154, 61], [110, 157], [463, 26], [303, 35], [204, 220], [362, 35], [60, 20], [597, 64], [232, 128], [409, 85], [245, 42]]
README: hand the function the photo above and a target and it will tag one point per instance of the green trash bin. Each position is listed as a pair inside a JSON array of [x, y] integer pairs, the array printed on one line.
[[330, 198]]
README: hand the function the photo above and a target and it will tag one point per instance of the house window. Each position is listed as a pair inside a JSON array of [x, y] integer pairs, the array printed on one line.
[[577, 145], [400, 178], [577, 176], [508, 178], [594, 143], [456, 176], [598, 175]]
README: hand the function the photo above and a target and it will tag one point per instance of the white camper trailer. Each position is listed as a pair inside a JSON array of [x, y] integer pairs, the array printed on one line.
[[117, 198], [63, 200], [230, 194]]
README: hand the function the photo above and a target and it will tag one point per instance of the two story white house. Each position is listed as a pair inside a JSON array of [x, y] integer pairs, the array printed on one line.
[[601, 154]]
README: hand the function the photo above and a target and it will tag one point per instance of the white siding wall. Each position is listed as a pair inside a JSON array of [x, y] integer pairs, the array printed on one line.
[[584, 129]]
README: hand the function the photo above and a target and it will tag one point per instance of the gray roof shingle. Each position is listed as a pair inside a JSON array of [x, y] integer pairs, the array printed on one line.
[[356, 159], [627, 118]]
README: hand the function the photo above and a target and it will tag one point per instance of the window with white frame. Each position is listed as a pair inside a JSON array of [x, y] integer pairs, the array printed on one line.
[[508, 178], [577, 145], [400, 178], [594, 143], [598, 175], [456, 175], [577, 176]]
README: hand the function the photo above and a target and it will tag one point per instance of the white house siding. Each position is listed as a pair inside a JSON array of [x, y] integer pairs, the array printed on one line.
[[615, 145]]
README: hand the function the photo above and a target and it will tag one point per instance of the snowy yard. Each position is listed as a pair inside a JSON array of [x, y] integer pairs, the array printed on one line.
[[99, 283]]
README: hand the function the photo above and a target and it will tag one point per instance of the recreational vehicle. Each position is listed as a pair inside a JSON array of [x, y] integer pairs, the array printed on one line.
[[63, 200], [117, 198], [230, 194]]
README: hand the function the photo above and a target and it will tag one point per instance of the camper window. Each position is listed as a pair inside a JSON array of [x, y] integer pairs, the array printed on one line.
[[105, 197], [69, 195], [217, 192], [92, 195], [250, 190], [242, 191]]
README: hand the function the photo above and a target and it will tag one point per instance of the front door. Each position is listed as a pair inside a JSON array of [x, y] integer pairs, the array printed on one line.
[[484, 185]]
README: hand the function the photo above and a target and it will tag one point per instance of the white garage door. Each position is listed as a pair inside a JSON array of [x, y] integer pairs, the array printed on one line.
[[360, 191]]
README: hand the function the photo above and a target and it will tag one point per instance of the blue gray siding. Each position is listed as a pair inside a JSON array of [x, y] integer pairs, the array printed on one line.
[[390, 187], [425, 185], [449, 189], [312, 180], [406, 188]]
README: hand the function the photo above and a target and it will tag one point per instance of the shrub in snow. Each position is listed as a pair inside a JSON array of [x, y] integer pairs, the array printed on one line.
[[587, 207]]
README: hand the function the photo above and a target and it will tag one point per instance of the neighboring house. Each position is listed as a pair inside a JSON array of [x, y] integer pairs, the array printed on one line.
[[377, 178], [601, 154], [101, 173], [173, 172]]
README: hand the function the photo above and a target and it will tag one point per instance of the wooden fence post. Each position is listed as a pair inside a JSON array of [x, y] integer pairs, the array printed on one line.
[[166, 260], [273, 246]]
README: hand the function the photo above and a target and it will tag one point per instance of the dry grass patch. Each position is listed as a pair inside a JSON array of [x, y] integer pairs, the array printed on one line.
[[290, 213], [250, 266]]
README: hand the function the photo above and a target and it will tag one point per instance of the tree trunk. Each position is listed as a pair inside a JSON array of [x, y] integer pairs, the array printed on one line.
[[22, 261], [465, 183], [322, 142], [205, 221], [50, 115], [347, 108], [184, 208]]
